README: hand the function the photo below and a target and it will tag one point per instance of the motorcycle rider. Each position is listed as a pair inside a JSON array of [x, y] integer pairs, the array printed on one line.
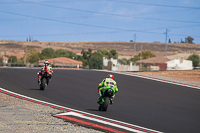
[[47, 67], [108, 82]]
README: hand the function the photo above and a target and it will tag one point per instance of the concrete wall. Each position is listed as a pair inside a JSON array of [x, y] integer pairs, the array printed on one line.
[[114, 68], [118, 67], [105, 61], [106, 65], [128, 67]]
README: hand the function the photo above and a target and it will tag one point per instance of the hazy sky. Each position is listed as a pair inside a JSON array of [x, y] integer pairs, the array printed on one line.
[[99, 20]]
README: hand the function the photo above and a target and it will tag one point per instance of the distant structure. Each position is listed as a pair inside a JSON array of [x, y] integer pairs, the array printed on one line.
[[115, 66], [164, 63], [5, 59], [179, 64]]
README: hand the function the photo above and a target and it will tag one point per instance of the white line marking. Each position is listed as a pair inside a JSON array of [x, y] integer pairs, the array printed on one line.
[[78, 111], [101, 121]]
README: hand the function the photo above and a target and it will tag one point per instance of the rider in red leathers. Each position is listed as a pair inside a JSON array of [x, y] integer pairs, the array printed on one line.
[[47, 67]]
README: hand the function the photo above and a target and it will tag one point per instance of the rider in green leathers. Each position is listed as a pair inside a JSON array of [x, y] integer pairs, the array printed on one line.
[[108, 82]]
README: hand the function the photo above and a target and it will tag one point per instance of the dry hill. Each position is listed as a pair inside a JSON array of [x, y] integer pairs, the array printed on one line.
[[125, 49]]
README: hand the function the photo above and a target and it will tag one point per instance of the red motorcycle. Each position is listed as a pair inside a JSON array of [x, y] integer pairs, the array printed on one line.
[[44, 80]]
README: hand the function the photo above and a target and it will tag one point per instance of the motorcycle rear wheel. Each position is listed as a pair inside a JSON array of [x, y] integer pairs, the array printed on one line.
[[105, 104]]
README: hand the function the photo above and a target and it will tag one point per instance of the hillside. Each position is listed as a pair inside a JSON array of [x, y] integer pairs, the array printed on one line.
[[125, 49]]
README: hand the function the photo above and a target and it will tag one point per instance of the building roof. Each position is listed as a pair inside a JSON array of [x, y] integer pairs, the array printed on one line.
[[63, 60], [154, 60], [18, 56], [5, 58]]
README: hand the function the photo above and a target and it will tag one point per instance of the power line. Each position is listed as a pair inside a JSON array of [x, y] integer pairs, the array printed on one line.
[[64, 34], [61, 21], [88, 25], [111, 14], [166, 42], [134, 45], [86, 33], [79, 10], [128, 2], [171, 6], [73, 23]]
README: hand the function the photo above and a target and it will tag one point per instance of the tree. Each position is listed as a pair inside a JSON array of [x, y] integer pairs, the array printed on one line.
[[61, 53], [30, 39], [189, 40], [64, 53], [104, 52], [113, 53], [142, 55], [131, 40], [136, 58], [12, 59], [79, 58], [195, 59], [182, 41], [86, 55], [47, 53], [146, 54], [96, 61], [33, 58], [32, 55], [124, 61], [169, 40], [30, 52]]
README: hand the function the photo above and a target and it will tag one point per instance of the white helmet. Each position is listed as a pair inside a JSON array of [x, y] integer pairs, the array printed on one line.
[[46, 62]]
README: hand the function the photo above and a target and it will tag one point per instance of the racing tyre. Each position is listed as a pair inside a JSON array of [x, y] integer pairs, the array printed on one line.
[[100, 107], [43, 82], [105, 104]]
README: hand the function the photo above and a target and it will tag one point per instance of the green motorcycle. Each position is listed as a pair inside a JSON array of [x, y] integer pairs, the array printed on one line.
[[106, 99]]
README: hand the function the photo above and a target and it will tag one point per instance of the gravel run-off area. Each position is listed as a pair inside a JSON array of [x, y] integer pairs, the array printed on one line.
[[21, 116]]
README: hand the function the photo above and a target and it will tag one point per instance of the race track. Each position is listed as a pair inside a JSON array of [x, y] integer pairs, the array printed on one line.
[[159, 106]]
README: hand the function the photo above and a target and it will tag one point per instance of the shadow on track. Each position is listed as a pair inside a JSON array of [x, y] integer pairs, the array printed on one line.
[[33, 89], [92, 109]]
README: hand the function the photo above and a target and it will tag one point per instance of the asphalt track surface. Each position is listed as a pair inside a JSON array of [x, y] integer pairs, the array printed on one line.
[[159, 106]]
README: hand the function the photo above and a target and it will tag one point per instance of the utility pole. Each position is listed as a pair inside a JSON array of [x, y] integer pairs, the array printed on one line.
[[166, 42], [141, 58], [134, 45]]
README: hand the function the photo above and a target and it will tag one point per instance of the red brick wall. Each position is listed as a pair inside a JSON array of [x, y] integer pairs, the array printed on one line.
[[162, 66]]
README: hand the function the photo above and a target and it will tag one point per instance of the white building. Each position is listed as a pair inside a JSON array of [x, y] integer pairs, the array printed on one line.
[[114, 63], [179, 64], [5, 59]]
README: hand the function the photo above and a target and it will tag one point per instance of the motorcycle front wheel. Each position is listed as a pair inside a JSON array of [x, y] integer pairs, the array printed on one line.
[[42, 85]]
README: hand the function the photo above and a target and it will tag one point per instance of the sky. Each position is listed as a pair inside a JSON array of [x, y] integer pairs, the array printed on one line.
[[100, 20]]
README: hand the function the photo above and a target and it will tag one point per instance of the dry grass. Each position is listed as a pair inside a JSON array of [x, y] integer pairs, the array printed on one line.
[[123, 48], [189, 75]]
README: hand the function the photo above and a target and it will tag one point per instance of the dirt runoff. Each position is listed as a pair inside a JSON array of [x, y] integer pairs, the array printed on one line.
[[187, 76], [21, 116]]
